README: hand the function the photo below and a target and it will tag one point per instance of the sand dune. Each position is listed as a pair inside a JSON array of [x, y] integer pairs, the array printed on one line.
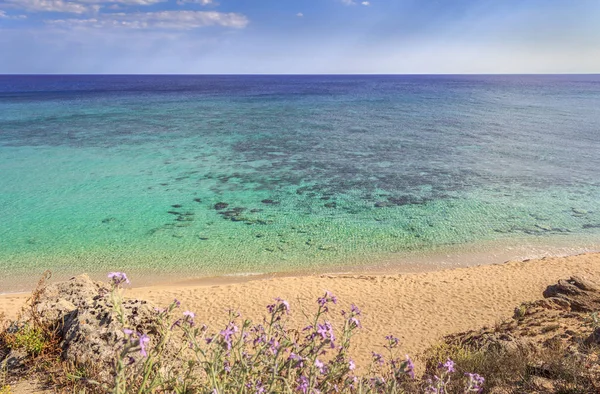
[[418, 308]]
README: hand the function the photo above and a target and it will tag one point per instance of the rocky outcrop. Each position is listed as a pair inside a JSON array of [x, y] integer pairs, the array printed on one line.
[[566, 319], [564, 314], [81, 313]]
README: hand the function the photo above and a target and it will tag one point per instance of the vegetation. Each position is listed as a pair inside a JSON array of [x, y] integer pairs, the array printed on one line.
[[270, 357]]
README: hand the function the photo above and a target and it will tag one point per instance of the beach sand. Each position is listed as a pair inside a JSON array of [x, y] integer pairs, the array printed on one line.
[[418, 308]]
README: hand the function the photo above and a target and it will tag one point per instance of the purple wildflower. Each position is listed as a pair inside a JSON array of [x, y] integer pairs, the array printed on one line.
[[144, 339], [228, 333], [189, 317], [354, 309], [284, 303], [328, 297], [475, 383], [260, 388], [409, 367], [319, 364], [355, 323], [448, 365], [273, 345], [326, 332], [118, 278], [299, 359], [392, 342], [127, 331], [303, 384], [280, 305], [378, 358], [351, 365]]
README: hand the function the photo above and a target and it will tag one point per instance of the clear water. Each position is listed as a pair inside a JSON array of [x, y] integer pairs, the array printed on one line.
[[101, 173]]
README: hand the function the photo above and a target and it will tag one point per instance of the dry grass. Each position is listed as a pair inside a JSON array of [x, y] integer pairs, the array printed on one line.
[[552, 369]]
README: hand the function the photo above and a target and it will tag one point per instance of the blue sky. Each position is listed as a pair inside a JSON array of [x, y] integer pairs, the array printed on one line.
[[299, 36]]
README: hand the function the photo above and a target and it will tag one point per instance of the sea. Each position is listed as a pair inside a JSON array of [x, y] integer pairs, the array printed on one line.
[[176, 177]]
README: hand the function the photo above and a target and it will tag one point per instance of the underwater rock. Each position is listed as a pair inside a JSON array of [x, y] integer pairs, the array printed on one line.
[[109, 220], [176, 205], [382, 204], [269, 201], [326, 247], [255, 210], [330, 205], [198, 200], [405, 200], [586, 226], [238, 219], [185, 219], [220, 205]]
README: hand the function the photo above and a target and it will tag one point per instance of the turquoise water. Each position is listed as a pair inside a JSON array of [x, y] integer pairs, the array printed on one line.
[[317, 173]]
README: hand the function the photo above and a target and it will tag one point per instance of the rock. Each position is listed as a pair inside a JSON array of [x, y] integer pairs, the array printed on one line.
[[382, 204], [198, 200], [594, 338], [81, 312], [77, 291], [14, 361], [588, 226], [330, 205], [580, 294], [270, 202], [176, 205], [92, 335], [220, 205]]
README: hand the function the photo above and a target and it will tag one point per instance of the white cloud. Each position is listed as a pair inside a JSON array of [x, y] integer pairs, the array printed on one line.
[[4, 15], [170, 20], [299, 15], [79, 6], [366, 3], [50, 6], [201, 2]]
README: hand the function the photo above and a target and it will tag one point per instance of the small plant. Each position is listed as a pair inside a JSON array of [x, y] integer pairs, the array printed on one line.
[[520, 312], [30, 339]]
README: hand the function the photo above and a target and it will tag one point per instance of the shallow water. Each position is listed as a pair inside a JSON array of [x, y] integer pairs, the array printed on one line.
[[102, 173]]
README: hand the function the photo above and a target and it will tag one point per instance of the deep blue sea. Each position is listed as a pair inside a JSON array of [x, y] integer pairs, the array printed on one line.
[[192, 176]]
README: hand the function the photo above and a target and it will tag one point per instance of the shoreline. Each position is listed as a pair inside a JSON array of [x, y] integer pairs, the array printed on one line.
[[419, 308], [442, 258]]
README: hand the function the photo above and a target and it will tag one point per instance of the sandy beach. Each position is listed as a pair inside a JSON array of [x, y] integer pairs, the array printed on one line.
[[419, 308]]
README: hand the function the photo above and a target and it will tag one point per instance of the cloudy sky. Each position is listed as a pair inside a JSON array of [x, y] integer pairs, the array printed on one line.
[[299, 36]]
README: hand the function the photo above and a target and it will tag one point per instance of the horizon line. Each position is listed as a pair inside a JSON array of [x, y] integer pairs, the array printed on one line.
[[297, 74]]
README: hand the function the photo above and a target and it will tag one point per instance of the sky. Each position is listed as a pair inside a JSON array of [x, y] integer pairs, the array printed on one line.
[[299, 36]]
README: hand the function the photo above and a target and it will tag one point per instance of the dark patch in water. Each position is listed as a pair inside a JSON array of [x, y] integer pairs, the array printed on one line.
[[220, 205]]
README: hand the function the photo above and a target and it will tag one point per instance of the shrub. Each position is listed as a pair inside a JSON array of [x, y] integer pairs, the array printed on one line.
[[268, 357]]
